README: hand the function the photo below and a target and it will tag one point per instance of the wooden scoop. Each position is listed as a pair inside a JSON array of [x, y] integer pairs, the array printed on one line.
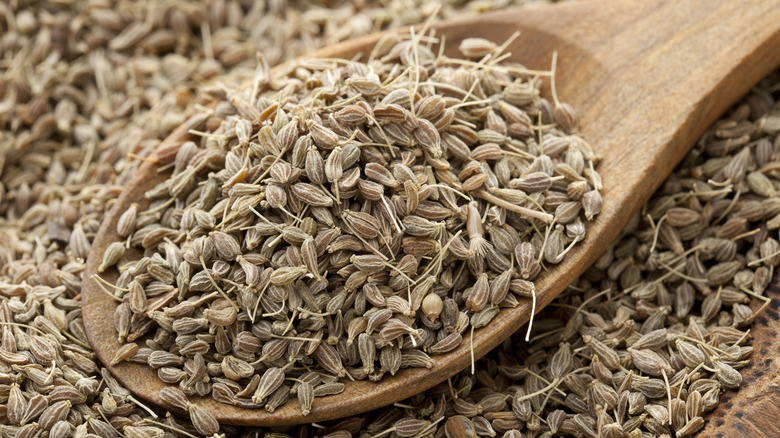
[[647, 77]]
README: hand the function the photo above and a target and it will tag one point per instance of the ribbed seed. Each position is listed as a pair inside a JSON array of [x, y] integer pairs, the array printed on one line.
[[480, 294], [17, 405], [449, 343], [562, 362], [203, 420], [113, 253], [328, 357], [305, 397], [649, 361], [125, 226], [409, 427], [607, 355], [331, 388], [311, 195]]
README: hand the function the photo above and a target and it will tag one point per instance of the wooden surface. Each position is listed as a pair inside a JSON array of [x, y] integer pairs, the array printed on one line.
[[647, 78], [754, 410]]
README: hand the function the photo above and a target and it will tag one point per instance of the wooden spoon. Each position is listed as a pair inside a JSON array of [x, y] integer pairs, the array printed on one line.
[[647, 78]]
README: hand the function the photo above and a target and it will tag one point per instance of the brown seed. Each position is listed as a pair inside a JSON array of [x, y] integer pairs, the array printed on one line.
[[694, 404], [122, 316], [479, 295], [367, 352], [380, 174], [566, 116], [553, 249], [526, 259], [79, 243], [54, 413], [722, 272], [322, 136], [591, 204], [362, 224], [42, 349], [710, 306], [370, 190], [377, 319], [428, 137], [328, 357], [691, 355], [728, 376], [449, 343], [17, 405], [226, 245], [326, 389], [561, 362], [333, 165], [692, 426], [137, 298], [409, 427], [276, 196], [653, 340], [476, 47], [681, 216], [113, 253], [474, 182], [305, 397], [761, 184], [36, 406], [277, 398], [315, 166], [607, 355], [432, 306], [459, 426], [311, 195], [126, 223], [567, 212], [394, 328], [533, 182], [649, 361], [203, 420], [420, 246]]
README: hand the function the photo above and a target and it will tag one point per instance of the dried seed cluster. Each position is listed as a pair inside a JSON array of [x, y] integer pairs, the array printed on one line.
[[647, 340], [352, 220], [86, 86], [77, 107]]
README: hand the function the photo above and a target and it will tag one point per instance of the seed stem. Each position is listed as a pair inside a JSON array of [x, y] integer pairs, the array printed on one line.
[[142, 406], [100, 283], [668, 395], [471, 347], [552, 78], [552, 385], [763, 259], [680, 274], [533, 312], [208, 274], [16, 324], [168, 426], [546, 217]]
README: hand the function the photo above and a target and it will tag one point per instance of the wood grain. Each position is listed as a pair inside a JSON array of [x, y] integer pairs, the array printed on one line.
[[754, 410], [647, 77]]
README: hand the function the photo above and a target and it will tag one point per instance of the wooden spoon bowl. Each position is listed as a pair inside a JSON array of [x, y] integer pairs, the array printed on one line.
[[647, 78]]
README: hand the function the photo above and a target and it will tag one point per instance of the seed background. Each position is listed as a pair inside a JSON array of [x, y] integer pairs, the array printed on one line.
[[88, 87]]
